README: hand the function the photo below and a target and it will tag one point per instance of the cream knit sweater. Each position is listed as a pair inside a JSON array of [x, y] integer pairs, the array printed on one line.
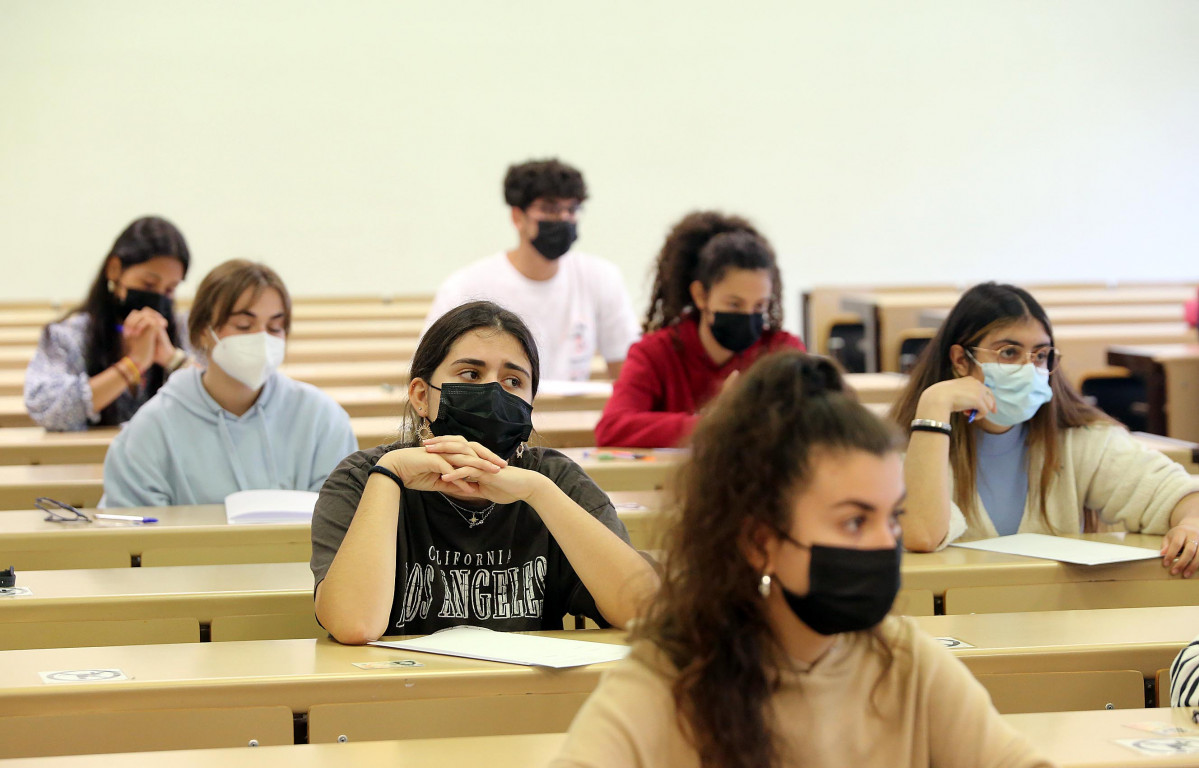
[[1103, 468]]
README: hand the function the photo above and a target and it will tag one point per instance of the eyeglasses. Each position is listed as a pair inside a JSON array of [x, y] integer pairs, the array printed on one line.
[[68, 513], [1011, 357], [561, 209]]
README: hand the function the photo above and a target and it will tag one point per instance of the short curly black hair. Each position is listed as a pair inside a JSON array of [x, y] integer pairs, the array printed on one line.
[[549, 178]]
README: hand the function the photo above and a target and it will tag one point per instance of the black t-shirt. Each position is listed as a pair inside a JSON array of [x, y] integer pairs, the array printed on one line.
[[506, 574]]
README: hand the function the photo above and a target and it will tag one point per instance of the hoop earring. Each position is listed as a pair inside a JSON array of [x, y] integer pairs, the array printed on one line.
[[764, 586], [424, 432]]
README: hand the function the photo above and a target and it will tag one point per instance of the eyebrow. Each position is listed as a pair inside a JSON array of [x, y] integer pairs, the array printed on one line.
[[248, 313], [1014, 343], [483, 364]]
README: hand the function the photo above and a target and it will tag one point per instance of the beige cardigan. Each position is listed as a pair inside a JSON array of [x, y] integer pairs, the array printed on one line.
[[1103, 468], [927, 710]]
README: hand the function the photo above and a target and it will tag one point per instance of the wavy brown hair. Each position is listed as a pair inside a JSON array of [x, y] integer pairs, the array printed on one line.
[[750, 456], [703, 246], [980, 310]]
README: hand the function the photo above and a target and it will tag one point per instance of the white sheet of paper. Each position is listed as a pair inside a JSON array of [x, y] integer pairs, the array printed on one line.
[[574, 388], [953, 642], [258, 507], [511, 648], [16, 592], [1077, 551], [1178, 745]]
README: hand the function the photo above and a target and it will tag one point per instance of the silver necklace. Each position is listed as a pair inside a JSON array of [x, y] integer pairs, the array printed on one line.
[[476, 516]]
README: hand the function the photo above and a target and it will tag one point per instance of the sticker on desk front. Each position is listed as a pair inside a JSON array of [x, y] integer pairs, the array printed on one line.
[[15, 592], [388, 664], [953, 642], [82, 676], [1188, 745]]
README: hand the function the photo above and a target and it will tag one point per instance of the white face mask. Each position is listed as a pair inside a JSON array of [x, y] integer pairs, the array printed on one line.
[[248, 357]]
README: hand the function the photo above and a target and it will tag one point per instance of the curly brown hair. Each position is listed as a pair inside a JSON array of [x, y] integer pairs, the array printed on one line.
[[750, 456], [703, 246], [551, 178]]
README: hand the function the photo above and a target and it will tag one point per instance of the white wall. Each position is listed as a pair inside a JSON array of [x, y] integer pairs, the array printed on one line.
[[359, 146]]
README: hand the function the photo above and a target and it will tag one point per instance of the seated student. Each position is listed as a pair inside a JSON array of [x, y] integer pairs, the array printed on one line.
[[716, 308], [1036, 455], [769, 643], [101, 362], [573, 302], [459, 522], [238, 424], [1184, 677]]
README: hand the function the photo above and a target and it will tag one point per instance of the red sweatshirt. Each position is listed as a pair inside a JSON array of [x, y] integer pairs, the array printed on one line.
[[666, 378]]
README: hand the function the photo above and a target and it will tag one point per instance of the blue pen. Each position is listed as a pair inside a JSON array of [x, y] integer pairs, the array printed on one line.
[[126, 518], [973, 414]]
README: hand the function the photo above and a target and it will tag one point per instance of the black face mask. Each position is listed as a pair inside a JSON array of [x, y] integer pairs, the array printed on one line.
[[135, 299], [484, 413], [848, 589], [554, 238], [737, 331]]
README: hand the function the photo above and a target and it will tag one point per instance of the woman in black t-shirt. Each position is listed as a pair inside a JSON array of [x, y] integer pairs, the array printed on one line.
[[459, 522]]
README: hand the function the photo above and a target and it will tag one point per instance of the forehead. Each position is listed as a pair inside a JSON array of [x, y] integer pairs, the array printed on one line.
[[745, 282], [1026, 332], [266, 304], [838, 475], [550, 202], [491, 345], [166, 268]]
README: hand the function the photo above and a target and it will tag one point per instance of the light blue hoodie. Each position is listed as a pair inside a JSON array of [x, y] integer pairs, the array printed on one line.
[[183, 448]]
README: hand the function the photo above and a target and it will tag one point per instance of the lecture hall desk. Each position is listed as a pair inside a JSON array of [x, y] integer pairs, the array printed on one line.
[[301, 330], [82, 484], [34, 445], [303, 674], [886, 315], [389, 400], [1171, 375], [1069, 739]]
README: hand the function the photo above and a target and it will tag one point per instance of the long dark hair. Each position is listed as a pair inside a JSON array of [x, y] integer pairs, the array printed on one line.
[[703, 246], [435, 345], [708, 618], [141, 241], [980, 310]]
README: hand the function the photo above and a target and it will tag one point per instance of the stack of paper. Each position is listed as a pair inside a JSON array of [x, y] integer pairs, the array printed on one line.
[[1077, 551], [257, 507], [511, 648]]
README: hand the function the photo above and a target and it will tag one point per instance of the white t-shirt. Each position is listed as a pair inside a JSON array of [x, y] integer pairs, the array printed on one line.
[[582, 310]]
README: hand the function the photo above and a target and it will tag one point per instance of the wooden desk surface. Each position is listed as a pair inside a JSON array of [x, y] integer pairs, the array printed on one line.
[[1068, 739], [293, 673], [1144, 639], [1172, 294], [1087, 315], [202, 531], [193, 591], [522, 751], [958, 567]]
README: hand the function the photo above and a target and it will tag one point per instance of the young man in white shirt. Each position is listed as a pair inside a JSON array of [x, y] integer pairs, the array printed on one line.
[[575, 304]]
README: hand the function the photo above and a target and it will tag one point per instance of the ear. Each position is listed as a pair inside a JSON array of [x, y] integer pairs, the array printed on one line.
[[419, 395], [759, 545], [699, 296], [959, 361], [112, 268]]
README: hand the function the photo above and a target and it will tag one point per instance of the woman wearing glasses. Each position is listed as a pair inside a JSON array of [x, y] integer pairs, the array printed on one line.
[[1001, 443]]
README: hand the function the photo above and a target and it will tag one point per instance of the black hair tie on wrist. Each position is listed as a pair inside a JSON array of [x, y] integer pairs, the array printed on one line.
[[378, 470]]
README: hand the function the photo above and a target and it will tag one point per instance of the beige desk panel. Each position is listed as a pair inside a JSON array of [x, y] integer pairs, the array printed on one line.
[[294, 673], [1087, 739], [957, 567], [525, 751], [1144, 639], [1069, 739], [199, 534], [12, 382], [383, 328], [201, 592], [653, 472], [78, 484]]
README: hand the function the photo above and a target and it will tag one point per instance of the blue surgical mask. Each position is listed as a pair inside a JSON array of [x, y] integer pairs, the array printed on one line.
[[1019, 391]]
